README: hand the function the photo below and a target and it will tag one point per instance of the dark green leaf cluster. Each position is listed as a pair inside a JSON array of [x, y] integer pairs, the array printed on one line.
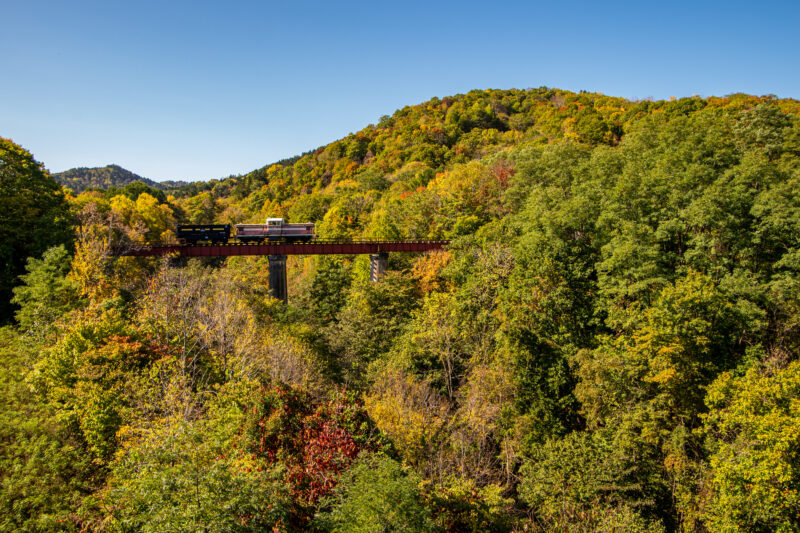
[[34, 216]]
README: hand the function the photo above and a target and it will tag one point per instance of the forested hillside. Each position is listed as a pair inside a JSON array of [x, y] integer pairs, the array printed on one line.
[[110, 176], [610, 343]]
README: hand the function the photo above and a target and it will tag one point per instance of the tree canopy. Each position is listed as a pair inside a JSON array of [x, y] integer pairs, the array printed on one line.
[[34, 215], [609, 343]]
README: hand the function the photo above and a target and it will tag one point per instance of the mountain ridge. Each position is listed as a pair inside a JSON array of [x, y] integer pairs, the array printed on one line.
[[81, 178]]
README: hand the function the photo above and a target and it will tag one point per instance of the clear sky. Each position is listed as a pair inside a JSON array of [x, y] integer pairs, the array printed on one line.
[[198, 90]]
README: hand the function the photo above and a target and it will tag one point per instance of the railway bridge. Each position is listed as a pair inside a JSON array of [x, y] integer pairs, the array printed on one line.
[[277, 251]]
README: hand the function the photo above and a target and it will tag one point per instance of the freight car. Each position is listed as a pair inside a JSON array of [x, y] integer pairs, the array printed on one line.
[[213, 233], [274, 230]]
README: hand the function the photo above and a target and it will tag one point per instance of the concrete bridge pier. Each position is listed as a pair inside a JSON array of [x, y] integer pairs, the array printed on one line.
[[377, 266], [277, 278]]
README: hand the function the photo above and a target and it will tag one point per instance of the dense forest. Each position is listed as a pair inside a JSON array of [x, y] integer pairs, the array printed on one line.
[[81, 179], [610, 342]]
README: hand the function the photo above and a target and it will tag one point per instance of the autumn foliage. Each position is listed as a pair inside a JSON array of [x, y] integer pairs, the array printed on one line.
[[609, 343]]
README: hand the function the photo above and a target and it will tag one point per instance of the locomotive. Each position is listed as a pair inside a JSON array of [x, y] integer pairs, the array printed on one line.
[[275, 229]]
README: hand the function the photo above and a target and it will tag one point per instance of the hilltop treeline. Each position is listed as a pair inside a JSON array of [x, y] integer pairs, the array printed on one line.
[[609, 344], [80, 179]]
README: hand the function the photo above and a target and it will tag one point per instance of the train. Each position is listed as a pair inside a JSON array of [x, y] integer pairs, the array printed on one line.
[[274, 230]]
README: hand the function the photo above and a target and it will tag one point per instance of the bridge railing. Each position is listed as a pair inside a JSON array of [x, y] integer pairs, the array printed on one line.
[[317, 246]]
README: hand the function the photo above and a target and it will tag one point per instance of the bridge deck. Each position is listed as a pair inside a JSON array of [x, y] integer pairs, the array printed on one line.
[[310, 248]]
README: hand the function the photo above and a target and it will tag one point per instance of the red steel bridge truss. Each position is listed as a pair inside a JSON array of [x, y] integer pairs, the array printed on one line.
[[277, 252]]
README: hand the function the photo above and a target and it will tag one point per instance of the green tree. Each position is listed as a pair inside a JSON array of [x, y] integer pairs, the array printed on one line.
[[200, 209], [459, 504], [655, 374], [177, 475], [309, 208], [328, 291], [585, 481], [34, 216], [46, 292], [134, 189], [86, 376], [376, 495], [432, 346], [44, 471], [764, 126], [365, 329], [648, 383], [752, 432]]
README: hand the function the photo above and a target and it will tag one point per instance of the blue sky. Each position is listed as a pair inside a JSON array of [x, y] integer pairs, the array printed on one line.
[[198, 90]]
